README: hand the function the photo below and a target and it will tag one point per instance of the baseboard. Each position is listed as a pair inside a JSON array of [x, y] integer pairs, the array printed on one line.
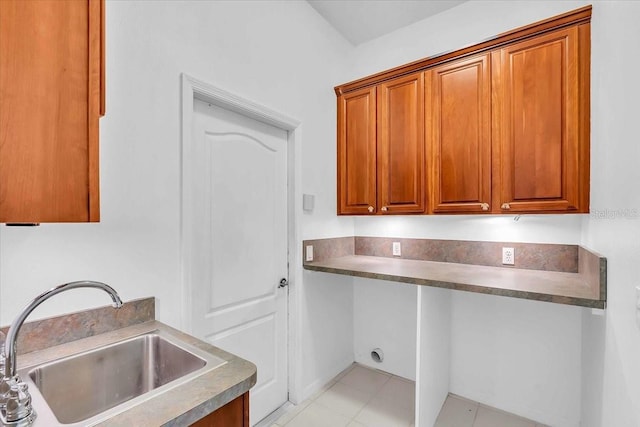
[[270, 419], [326, 380]]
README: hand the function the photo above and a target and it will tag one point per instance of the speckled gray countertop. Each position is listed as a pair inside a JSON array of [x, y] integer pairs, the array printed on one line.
[[563, 274], [179, 406], [551, 286]]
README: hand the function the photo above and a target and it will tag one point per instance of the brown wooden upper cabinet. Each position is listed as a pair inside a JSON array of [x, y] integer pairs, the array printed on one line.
[[401, 161], [541, 160], [505, 125], [459, 129], [51, 99], [381, 148], [357, 152]]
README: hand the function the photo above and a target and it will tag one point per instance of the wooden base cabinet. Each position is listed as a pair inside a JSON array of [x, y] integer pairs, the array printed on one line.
[[498, 127], [233, 414], [51, 98]]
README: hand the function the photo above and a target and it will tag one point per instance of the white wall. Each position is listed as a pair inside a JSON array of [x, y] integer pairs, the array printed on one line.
[[280, 54], [385, 317], [521, 356], [528, 228], [611, 378], [327, 328]]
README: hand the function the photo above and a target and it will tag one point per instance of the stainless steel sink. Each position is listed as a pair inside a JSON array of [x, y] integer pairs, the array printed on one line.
[[86, 388]]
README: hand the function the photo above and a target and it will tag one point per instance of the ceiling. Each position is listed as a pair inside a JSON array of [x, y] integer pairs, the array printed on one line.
[[362, 20]]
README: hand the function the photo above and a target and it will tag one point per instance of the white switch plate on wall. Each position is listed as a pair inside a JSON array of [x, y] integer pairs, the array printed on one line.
[[309, 253], [397, 251], [638, 306]]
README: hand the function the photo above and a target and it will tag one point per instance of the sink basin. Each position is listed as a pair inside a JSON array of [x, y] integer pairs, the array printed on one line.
[[88, 387]]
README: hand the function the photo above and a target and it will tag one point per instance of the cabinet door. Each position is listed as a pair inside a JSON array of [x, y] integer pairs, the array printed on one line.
[[401, 145], [357, 152], [51, 97], [537, 153], [233, 414], [458, 121]]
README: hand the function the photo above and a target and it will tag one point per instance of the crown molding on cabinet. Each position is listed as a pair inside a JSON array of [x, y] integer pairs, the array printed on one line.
[[578, 16]]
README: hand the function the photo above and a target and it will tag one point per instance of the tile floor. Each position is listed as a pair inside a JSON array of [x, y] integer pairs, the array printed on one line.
[[364, 397], [358, 397], [460, 412]]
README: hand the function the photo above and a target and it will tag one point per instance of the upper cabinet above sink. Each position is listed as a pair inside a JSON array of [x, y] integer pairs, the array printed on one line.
[[51, 99], [498, 127]]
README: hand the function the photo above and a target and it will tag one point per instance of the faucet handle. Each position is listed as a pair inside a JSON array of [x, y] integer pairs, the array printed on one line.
[[18, 407], [19, 402], [5, 387]]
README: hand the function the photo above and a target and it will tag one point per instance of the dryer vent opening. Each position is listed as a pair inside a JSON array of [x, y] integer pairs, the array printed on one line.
[[377, 355]]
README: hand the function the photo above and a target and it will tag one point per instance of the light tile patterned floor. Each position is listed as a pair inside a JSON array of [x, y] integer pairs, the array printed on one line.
[[358, 397], [363, 397], [460, 412]]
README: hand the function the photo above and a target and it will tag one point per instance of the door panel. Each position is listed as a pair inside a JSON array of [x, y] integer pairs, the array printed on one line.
[[538, 87], [240, 247], [459, 125], [243, 178], [357, 152], [401, 158]]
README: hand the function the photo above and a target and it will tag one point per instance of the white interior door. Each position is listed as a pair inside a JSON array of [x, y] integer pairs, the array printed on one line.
[[240, 245]]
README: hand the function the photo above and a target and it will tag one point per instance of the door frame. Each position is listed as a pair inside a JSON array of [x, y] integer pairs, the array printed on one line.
[[192, 89]]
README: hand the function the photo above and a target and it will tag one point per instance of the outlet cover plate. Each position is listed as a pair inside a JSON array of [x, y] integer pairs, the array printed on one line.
[[508, 256]]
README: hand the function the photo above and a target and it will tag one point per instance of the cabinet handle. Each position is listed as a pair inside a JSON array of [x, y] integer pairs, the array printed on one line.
[[384, 209], [370, 209], [505, 206], [484, 206]]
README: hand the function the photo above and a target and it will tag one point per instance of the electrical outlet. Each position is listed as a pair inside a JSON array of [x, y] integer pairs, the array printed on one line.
[[309, 253], [508, 256], [397, 251]]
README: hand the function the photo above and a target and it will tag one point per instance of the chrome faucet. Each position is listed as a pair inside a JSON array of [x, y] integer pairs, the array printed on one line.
[[15, 401]]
